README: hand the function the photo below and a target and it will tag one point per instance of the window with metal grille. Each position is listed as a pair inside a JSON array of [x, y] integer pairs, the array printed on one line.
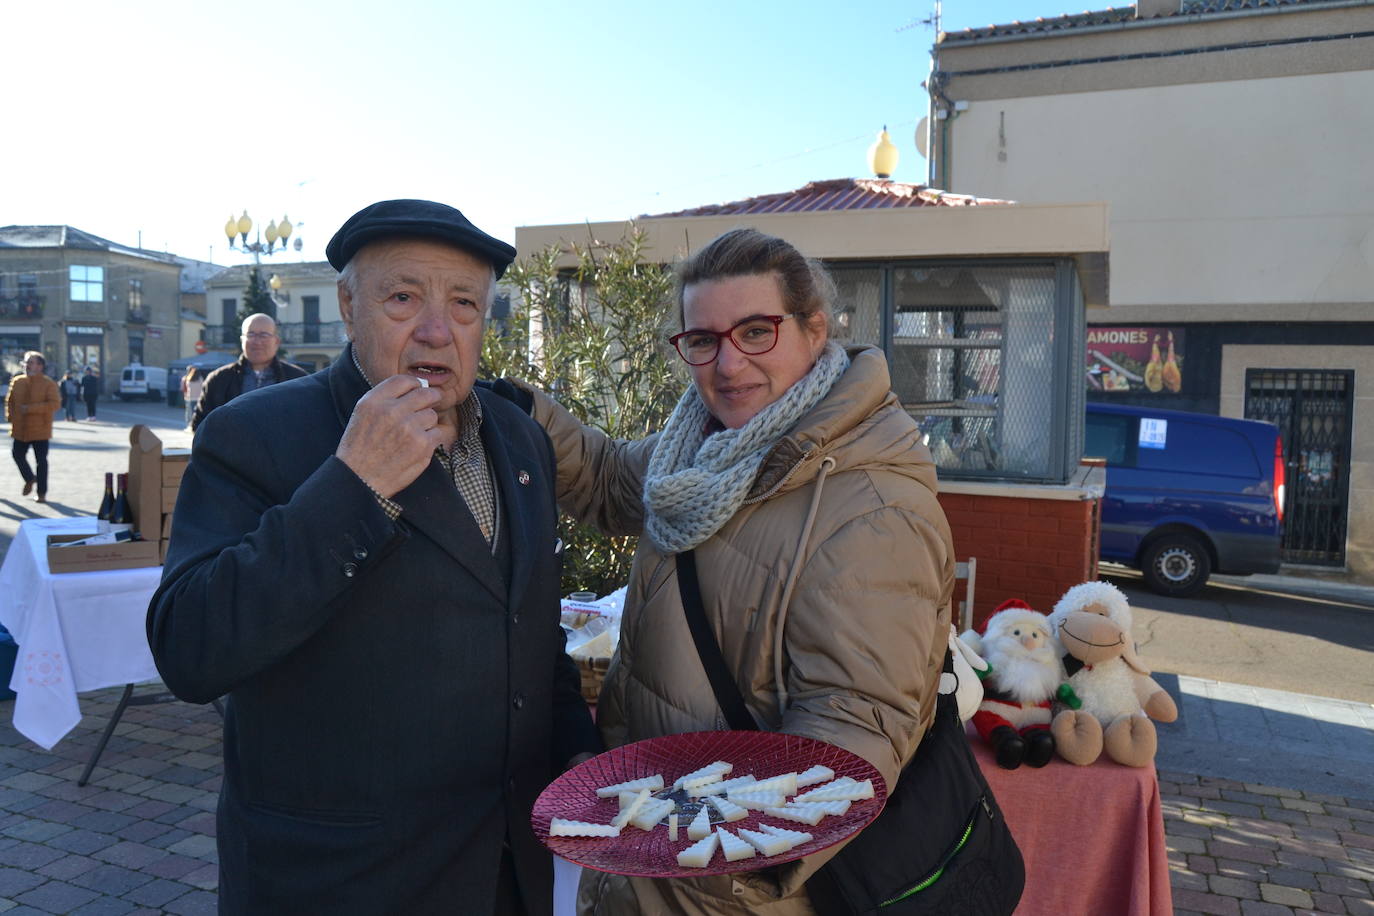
[[977, 352]]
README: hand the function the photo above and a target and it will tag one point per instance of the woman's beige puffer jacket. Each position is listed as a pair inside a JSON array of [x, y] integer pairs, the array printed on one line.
[[865, 631]]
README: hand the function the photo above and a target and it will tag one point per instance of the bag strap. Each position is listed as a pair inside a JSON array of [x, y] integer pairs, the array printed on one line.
[[731, 702]]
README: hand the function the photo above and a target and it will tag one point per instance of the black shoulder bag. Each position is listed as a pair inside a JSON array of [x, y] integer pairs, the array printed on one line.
[[940, 846]]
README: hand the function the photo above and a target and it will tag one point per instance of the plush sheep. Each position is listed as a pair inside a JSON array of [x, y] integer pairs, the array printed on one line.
[[1014, 717], [1112, 687]]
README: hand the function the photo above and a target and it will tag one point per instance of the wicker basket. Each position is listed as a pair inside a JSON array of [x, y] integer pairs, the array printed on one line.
[[593, 673]]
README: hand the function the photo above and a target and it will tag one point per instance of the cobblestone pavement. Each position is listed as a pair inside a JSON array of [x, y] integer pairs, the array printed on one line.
[[1241, 848], [140, 838]]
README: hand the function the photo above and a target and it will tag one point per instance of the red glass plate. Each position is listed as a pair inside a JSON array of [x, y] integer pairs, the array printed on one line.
[[650, 853]]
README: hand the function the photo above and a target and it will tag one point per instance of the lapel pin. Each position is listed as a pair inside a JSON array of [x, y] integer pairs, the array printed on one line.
[[524, 478]]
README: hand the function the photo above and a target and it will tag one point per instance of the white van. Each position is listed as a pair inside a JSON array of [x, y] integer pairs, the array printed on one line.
[[139, 381]]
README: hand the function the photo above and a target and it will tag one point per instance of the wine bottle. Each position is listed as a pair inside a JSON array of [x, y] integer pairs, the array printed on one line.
[[121, 516], [106, 505]]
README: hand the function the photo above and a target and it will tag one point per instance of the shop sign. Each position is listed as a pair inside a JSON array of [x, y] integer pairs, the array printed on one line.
[[1142, 359], [82, 329]]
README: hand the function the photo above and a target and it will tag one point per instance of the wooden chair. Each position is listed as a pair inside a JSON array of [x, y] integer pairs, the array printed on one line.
[[966, 571]]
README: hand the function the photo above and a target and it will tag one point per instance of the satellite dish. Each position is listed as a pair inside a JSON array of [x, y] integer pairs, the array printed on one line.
[[922, 136]]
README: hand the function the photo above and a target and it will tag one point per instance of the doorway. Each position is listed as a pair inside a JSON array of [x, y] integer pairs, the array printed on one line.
[[1313, 410]]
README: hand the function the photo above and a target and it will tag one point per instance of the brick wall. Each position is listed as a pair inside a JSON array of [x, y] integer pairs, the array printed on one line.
[[1027, 547]]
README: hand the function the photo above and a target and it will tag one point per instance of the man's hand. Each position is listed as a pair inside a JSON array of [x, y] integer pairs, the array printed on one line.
[[392, 434]]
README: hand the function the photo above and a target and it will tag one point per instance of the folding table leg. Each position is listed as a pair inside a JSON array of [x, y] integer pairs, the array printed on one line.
[[105, 738]]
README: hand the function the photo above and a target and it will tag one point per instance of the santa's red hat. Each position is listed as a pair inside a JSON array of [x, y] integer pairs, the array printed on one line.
[[1009, 604]]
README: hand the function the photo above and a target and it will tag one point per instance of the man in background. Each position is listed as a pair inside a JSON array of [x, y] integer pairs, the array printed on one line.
[[256, 368], [90, 390], [29, 407]]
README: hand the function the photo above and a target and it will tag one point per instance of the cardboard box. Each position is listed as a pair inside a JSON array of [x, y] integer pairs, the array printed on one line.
[[173, 467], [124, 555], [162, 551], [166, 526], [169, 499], [145, 480]]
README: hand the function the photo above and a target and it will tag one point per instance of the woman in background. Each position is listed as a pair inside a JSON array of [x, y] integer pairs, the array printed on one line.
[[191, 384], [825, 561]]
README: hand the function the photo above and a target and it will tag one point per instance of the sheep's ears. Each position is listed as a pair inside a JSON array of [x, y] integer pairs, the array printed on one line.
[[1130, 658]]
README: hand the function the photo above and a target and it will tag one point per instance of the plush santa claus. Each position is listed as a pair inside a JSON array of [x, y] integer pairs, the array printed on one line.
[[1024, 672]]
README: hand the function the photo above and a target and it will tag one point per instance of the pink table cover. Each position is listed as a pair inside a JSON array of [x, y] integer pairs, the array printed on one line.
[[1092, 837]]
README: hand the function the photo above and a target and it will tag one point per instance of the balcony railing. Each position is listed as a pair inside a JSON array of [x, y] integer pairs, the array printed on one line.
[[138, 314], [21, 306], [293, 334]]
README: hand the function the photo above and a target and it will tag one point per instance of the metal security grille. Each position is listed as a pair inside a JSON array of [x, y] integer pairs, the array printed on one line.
[[1312, 409]]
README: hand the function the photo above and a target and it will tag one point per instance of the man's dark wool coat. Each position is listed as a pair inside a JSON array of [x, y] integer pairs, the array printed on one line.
[[396, 696]]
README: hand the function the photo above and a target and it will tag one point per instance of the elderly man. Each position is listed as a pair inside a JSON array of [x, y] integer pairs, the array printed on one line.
[[256, 368], [365, 562]]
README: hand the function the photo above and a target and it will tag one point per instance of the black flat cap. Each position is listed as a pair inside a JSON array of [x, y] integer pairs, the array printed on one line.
[[425, 218]]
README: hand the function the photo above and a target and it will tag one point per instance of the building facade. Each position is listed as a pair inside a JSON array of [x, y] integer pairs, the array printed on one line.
[[1231, 140], [306, 308], [84, 301]]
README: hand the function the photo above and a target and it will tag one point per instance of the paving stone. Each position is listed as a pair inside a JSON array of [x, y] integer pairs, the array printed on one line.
[[1188, 880], [196, 845], [1233, 887], [14, 881], [57, 897], [1260, 908], [1206, 903], [1174, 827], [1346, 887], [1301, 860], [1327, 903], [206, 877], [1328, 822], [196, 903], [1272, 790], [1293, 877], [1185, 844], [1224, 850], [29, 855], [36, 831], [170, 838], [130, 855], [178, 794], [174, 866], [114, 880], [1288, 896], [1284, 815], [1233, 868], [1302, 804], [60, 812], [105, 906], [150, 809], [30, 782], [142, 831], [1203, 865], [68, 867], [158, 893], [83, 842], [200, 822]]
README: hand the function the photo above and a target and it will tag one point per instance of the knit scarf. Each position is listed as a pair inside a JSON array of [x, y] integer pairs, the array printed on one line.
[[696, 482]]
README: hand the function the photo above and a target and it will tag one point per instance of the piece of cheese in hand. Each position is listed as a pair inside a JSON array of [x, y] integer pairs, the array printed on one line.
[[560, 827], [630, 810], [701, 824], [652, 783], [733, 847], [699, 854], [712, 772], [766, 843], [728, 810]]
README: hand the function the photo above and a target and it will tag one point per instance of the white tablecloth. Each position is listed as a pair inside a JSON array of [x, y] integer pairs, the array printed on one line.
[[76, 631]]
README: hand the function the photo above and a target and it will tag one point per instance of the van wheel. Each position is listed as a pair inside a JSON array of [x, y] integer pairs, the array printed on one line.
[[1177, 565]]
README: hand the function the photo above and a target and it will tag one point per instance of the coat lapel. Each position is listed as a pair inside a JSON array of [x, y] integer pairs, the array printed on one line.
[[510, 464]]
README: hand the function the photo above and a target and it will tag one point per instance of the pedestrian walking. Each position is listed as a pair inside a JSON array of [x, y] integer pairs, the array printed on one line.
[[71, 393], [90, 390], [32, 401], [191, 384]]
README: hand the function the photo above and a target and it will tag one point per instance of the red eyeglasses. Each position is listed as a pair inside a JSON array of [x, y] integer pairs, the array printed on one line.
[[753, 336]]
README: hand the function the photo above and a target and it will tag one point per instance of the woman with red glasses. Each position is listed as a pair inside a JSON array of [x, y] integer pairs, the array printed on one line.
[[825, 562]]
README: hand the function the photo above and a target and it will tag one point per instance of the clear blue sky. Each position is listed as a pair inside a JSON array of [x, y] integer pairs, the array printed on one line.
[[164, 116]]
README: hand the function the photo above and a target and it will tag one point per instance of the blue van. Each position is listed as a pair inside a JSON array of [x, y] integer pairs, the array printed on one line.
[[1188, 494]]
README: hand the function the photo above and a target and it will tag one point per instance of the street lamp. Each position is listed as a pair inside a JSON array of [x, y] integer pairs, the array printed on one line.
[[276, 232]]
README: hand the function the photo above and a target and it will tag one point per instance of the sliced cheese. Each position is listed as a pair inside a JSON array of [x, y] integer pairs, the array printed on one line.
[[766, 843], [652, 783], [672, 828], [833, 792], [719, 788], [699, 854], [652, 812], [814, 775], [796, 836], [701, 824], [786, 784], [630, 810], [751, 799], [733, 847], [802, 814], [728, 810], [562, 827], [709, 773]]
